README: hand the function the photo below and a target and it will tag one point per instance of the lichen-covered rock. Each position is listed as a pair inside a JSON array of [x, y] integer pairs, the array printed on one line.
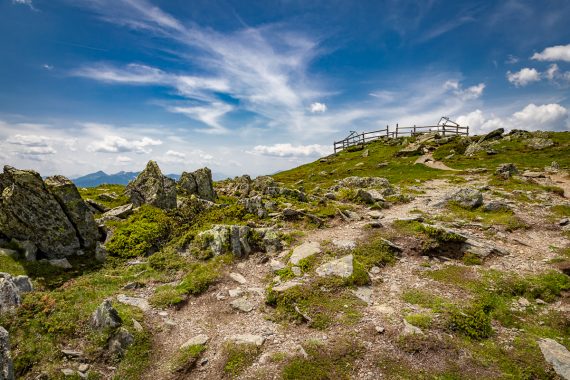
[[76, 210], [198, 183], [6, 364], [120, 342], [261, 183], [342, 267], [466, 197], [105, 316], [557, 355], [238, 240], [355, 182], [539, 143], [370, 196], [9, 294], [27, 247], [28, 211], [152, 187], [493, 135], [507, 170], [255, 206], [472, 149], [286, 192], [121, 212]]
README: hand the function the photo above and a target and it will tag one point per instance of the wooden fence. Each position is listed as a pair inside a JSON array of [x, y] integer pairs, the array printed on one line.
[[445, 127]]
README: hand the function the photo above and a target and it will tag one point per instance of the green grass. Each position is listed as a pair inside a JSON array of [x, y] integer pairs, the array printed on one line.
[[334, 360], [143, 233], [238, 357], [560, 211], [420, 320], [185, 358], [95, 192], [506, 218]]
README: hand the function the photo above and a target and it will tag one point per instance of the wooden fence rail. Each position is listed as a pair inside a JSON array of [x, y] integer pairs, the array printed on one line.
[[355, 138]]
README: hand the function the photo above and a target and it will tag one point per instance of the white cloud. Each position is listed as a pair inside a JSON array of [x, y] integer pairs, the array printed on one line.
[[28, 140], [117, 144], [317, 107], [47, 66], [511, 59], [552, 117], [523, 77], [174, 153], [210, 115], [554, 53], [288, 150], [552, 71], [469, 93], [124, 159], [24, 2]]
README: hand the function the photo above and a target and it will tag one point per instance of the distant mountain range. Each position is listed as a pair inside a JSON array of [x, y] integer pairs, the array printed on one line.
[[120, 178]]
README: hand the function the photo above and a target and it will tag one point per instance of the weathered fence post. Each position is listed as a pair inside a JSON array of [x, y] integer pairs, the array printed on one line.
[[397, 130], [388, 131]]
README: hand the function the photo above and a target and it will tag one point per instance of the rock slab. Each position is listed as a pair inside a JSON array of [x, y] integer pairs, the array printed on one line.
[[6, 364], [557, 355]]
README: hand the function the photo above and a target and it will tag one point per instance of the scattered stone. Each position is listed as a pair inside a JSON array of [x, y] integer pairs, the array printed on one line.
[[60, 263], [349, 215], [121, 212], [359, 164], [233, 238], [96, 206], [286, 285], [105, 316], [374, 224], [506, 171], [365, 153], [83, 367], [255, 206], [27, 247], [198, 183], [276, 265], [374, 214], [304, 251], [141, 303], [393, 246], [344, 244], [201, 339], [380, 329], [23, 283], [410, 329], [531, 174], [564, 222], [137, 325], [330, 196], [342, 267], [493, 135], [472, 149], [9, 294], [152, 187], [370, 196], [364, 293], [466, 197], [257, 340], [494, 206], [238, 278], [68, 372], [523, 302], [557, 355], [296, 271], [73, 354], [235, 292], [366, 182], [120, 341], [375, 270], [275, 191], [243, 304], [384, 309], [6, 363]]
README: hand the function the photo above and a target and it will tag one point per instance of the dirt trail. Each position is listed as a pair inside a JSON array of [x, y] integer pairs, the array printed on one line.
[[211, 313], [562, 180], [428, 160]]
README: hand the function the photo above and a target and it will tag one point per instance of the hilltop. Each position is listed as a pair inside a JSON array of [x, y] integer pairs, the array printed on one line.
[[418, 257]]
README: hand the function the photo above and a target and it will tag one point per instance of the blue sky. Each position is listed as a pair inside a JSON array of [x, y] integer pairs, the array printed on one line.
[[260, 86]]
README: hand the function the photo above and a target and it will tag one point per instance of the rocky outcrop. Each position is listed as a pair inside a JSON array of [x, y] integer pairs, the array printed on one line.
[[507, 170], [6, 364], [11, 289], [238, 240], [493, 135], [378, 183], [50, 215], [153, 188], [255, 206], [539, 143], [105, 316], [198, 183], [557, 355], [286, 192], [76, 210]]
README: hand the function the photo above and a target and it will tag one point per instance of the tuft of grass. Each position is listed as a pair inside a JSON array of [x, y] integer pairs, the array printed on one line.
[[143, 233], [185, 358], [238, 357], [95, 193], [420, 320], [136, 359], [560, 211], [373, 252], [473, 322]]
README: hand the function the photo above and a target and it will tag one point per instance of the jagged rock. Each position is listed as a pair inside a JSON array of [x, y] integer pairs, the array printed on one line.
[[304, 251], [340, 267], [471, 244], [396, 248], [27, 247], [240, 186], [270, 239], [152, 187], [255, 206], [531, 174], [286, 286], [23, 283], [506, 171], [466, 197], [76, 210], [60, 263], [9, 294], [557, 355], [493, 135], [344, 244], [276, 265], [200, 339], [364, 293], [370, 196], [105, 316], [6, 364], [237, 277], [472, 149], [74, 354], [261, 183], [226, 238], [410, 329], [100, 253], [539, 143], [564, 222], [198, 183], [257, 340], [121, 212], [120, 341], [292, 214], [348, 215], [96, 206], [243, 304], [28, 211]]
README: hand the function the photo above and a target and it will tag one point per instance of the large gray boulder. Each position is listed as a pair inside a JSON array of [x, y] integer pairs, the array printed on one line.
[[506, 170], [466, 198], [198, 183], [6, 364], [152, 187], [29, 211], [254, 205], [238, 240], [9, 295], [105, 316], [76, 210], [557, 355]]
